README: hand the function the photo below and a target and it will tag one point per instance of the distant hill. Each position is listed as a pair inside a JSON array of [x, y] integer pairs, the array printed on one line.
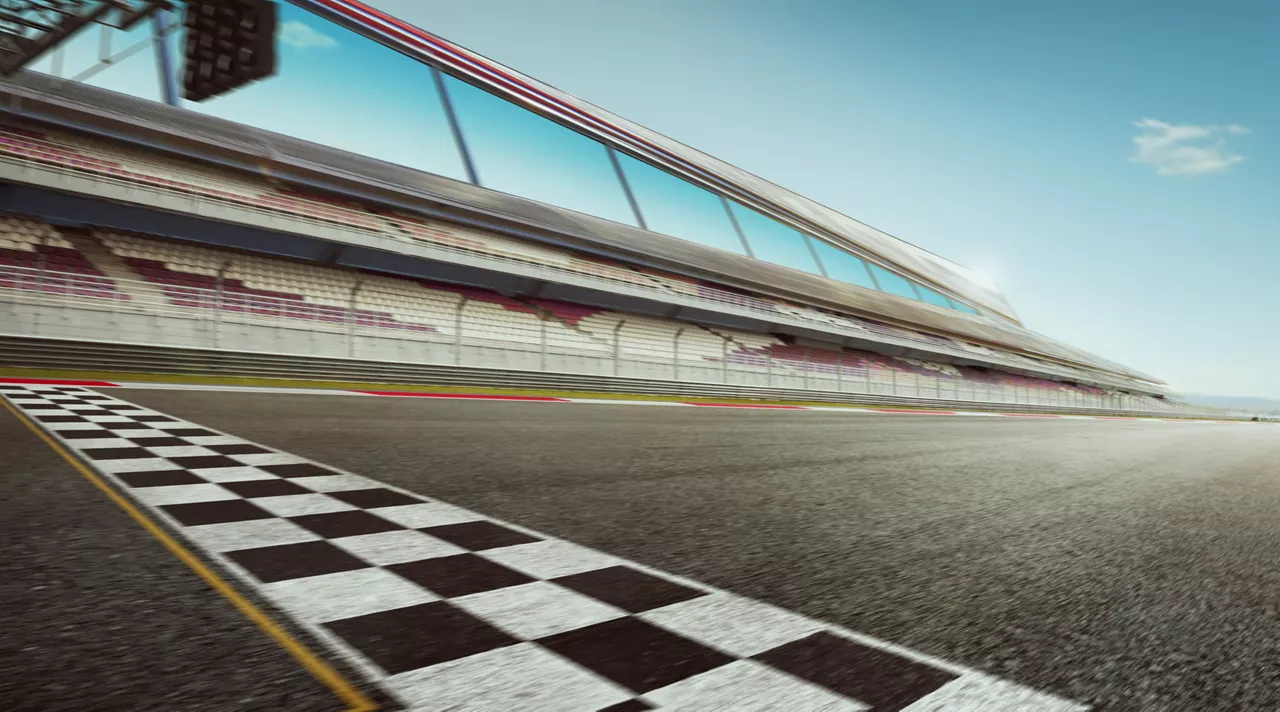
[[1249, 403]]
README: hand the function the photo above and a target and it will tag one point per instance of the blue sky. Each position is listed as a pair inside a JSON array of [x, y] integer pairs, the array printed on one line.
[[1114, 167]]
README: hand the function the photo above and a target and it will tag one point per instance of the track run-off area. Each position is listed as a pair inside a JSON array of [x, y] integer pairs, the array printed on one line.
[[804, 559]]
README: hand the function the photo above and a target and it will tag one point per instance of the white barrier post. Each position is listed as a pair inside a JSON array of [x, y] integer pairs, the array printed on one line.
[[542, 339], [724, 360], [457, 332], [219, 300], [675, 354], [617, 344], [351, 318]]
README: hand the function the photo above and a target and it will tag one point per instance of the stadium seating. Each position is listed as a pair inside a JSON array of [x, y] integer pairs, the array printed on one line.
[[654, 340], [490, 245], [114, 161], [570, 314], [819, 361], [938, 370], [897, 332], [276, 287], [672, 283], [257, 286], [42, 258]]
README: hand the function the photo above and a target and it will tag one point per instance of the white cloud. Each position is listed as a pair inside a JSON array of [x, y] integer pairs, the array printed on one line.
[[1185, 149], [301, 36]]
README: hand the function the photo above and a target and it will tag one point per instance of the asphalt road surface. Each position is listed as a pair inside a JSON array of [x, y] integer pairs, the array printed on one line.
[[97, 615], [1122, 564]]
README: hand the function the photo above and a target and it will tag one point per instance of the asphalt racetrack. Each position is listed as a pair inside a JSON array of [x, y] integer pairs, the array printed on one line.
[[1125, 565]]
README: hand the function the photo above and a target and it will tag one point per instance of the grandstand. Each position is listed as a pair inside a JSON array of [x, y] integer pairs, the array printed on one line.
[[540, 234]]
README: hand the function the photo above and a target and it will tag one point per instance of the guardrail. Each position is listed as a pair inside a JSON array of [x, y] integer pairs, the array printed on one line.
[[84, 355]]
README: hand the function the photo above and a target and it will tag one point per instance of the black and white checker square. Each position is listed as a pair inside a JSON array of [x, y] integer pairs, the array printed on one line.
[[448, 609]]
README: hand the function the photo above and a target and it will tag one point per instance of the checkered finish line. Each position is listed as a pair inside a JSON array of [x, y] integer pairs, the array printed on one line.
[[447, 609]]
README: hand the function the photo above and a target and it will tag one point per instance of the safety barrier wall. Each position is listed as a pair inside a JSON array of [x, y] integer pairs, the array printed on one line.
[[83, 356], [45, 306]]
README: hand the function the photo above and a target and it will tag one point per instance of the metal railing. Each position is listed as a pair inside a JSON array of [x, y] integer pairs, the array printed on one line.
[[453, 329]]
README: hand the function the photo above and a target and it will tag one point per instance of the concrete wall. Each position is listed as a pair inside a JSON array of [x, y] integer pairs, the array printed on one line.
[[116, 321]]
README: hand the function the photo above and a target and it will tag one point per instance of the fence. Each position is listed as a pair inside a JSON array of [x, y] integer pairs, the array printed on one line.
[[461, 331]]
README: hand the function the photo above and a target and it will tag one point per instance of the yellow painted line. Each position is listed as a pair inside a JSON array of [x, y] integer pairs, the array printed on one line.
[[355, 700]]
